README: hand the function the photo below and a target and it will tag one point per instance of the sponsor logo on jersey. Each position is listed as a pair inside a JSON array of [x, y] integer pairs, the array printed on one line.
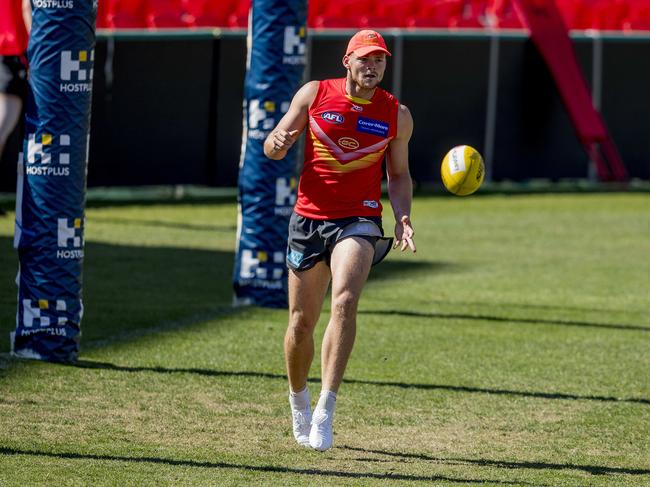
[[371, 203], [349, 143], [357, 108], [333, 117], [371, 126]]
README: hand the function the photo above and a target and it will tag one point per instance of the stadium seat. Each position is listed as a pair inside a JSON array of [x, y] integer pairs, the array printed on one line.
[[435, 13], [503, 14], [127, 14], [349, 8], [595, 14], [317, 7], [373, 21], [568, 10], [210, 13], [638, 16], [389, 13], [167, 13], [342, 13], [472, 15], [103, 10], [578, 14], [609, 14], [335, 21], [314, 9], [239, 16]]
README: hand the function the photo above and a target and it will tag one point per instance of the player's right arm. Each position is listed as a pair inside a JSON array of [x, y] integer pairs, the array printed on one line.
[[288, 129]]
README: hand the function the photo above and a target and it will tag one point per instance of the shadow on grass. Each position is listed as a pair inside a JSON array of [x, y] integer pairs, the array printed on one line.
[[8, 204], [592, 469], [389, 269], [128, 287], [523, 305], [131, 288], [501, 319], [89, 364], [254, 468], [155, 196], [165, 224]]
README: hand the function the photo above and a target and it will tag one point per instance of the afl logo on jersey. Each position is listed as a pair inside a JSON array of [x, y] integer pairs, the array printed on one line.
[[349, 143], [333, 117]]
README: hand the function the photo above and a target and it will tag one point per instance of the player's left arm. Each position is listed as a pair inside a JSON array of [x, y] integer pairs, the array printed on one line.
[[400, 185], [27, 14]]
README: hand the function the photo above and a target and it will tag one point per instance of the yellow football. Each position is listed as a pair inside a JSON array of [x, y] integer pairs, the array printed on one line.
[[462, 170]]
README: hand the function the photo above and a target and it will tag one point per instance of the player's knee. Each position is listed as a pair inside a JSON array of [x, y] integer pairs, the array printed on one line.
[[301, 325], [345, 304]]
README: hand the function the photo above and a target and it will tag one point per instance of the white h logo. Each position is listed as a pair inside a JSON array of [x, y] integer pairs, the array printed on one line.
[[69, 66], [66, 233], [284, 194], [35, 313], [250, 265], [259, 115], [294, 40], [37, 149]]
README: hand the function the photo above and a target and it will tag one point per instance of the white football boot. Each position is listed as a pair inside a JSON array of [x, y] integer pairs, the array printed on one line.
[[301, 415], [321, 435]]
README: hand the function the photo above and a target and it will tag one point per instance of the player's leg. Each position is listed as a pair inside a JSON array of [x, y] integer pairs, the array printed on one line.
[[306, 294], [10, 109], [350, 264], [307, 291]]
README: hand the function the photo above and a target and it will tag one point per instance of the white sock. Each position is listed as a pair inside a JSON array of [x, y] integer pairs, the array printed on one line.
[[300, 399], [327, 400]]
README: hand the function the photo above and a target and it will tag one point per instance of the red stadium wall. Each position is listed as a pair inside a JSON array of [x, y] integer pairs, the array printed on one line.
[[621, 15]]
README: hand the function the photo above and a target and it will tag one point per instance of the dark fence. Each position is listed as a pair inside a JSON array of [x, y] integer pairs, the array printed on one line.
[[167, 108]]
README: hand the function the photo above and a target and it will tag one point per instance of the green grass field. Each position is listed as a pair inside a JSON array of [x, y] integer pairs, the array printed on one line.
[[512, 349]]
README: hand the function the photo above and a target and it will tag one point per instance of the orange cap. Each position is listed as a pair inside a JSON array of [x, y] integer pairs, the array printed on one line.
[[366, 41]]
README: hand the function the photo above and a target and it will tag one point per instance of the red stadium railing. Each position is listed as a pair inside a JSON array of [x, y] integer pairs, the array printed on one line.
[[618, 15]]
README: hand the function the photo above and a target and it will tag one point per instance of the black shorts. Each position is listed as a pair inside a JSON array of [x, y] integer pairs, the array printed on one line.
[[311, 241], [13, 76]]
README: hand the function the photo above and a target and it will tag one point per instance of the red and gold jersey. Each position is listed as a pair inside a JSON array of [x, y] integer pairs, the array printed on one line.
[[13, 33], [346, 141]]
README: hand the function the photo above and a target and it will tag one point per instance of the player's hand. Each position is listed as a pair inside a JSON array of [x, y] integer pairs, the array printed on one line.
[[404, 234], [283, 139]]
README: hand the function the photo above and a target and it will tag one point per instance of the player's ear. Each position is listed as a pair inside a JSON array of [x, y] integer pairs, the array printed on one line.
[[346, 61]]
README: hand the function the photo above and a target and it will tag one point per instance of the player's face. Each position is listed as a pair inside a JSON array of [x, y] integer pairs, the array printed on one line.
[[367, 71]]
